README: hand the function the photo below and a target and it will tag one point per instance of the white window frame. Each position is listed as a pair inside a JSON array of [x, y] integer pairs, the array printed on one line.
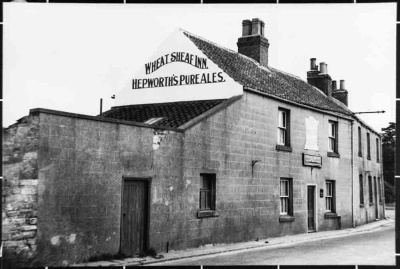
[[282, 127], [329, 196], [284, 197], [332, 139]]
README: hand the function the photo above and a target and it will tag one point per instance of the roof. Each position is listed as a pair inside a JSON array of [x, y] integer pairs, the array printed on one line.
[[249, 73], [173, 114]]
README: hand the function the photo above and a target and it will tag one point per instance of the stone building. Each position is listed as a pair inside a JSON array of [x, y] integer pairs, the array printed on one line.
[[281, 156]]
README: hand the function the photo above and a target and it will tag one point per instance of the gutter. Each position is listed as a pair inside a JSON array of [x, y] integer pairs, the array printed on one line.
[[349, 117]]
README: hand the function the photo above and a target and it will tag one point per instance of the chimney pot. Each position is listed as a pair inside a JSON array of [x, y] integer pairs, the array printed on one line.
[[334, 87], [342, 85], [313, 65], [246, 29], [324, 68], [255, 27]]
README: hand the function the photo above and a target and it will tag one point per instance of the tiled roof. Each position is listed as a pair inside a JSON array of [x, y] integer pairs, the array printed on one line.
[[267, 80], [174, 114]]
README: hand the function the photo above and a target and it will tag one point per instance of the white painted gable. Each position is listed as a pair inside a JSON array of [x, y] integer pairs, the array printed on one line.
[[177, 71]]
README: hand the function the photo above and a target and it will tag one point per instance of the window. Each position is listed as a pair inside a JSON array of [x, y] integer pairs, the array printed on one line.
[[330, 196], [379, 190], [333, 139], [359, 142], [361, 190], [283, 127], [286, 194], [371, 198], [377, 150], [207, 191], [153, 120], [368, 147]]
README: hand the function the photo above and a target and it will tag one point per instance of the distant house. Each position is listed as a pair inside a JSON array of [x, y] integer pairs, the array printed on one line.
[[283, 156]]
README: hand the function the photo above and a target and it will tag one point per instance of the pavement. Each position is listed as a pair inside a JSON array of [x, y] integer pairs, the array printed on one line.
[[262, 243]]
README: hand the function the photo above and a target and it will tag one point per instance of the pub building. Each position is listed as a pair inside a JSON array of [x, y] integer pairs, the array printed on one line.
[[276, 156]]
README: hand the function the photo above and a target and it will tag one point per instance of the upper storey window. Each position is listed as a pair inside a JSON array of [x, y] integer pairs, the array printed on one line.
[[283, 136]]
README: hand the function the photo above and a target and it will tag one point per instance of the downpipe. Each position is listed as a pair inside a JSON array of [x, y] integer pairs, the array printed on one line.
[[352, 177]]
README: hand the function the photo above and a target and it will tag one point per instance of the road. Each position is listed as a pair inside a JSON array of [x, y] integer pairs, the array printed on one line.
[[375, 247]]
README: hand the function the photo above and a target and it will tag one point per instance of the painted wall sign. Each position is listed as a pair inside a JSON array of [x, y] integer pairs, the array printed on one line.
[[174, 80], [183, 57], [177, 71], [312, 160], [311, 133]]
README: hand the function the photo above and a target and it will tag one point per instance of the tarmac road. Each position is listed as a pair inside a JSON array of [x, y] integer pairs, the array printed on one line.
[[375, 247]]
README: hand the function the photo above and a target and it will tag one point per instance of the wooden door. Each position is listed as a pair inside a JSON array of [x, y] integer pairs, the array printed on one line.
[[134, 217], [310, 208]]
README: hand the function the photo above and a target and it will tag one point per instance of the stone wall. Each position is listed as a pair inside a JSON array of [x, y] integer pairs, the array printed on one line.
[[247, 200], [81, 165], [366, 212], [19, 209]]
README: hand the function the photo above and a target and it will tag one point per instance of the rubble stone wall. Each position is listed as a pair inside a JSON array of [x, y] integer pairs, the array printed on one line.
[[19, 208]]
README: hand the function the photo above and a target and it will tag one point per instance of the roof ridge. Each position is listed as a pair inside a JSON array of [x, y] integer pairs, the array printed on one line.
[[286, 73]]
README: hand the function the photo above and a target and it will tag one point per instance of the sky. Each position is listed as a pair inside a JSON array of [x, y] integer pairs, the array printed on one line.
[[67, 56]]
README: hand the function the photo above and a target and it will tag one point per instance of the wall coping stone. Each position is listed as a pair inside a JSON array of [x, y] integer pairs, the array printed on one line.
[[99, 118]]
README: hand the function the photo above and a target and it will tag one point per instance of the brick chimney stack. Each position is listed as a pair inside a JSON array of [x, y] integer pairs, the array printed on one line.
[[253, 43], [341, 94], [320, 79]]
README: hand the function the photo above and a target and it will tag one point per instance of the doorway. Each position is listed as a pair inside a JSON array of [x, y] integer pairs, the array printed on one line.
[[135, 212], [311, 208]]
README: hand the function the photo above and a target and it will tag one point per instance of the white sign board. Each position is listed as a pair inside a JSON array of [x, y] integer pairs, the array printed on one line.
[[311, 133]]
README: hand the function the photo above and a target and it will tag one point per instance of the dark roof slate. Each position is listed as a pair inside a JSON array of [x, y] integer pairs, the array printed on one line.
[[174, 114], [250, 74]]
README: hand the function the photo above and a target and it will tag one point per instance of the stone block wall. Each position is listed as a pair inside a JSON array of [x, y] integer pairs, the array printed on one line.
[[366, 212], [81, 165], [247, 200], [19, 208]]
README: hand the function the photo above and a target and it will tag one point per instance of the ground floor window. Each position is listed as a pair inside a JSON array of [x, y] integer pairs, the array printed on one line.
[[379, 190], [286, 196], [207, 191], [330, 196], [371, 198], [361, 190]]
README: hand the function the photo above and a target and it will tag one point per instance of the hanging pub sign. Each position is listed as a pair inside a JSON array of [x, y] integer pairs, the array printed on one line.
[[177, 80]]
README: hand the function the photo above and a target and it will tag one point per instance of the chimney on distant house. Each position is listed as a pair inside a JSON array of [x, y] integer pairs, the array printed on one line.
[[253, 43], [320, 79], [340, 94]]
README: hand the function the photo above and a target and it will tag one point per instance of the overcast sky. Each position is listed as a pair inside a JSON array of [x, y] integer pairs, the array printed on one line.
[[68, 56]]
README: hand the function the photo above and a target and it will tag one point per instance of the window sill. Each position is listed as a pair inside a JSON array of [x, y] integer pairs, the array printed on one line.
[[207, 214], [361, 205], [286, 218], [371, 204], [331, 215], [368, 158], [333, 155], [284, 148], [359, 155]]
